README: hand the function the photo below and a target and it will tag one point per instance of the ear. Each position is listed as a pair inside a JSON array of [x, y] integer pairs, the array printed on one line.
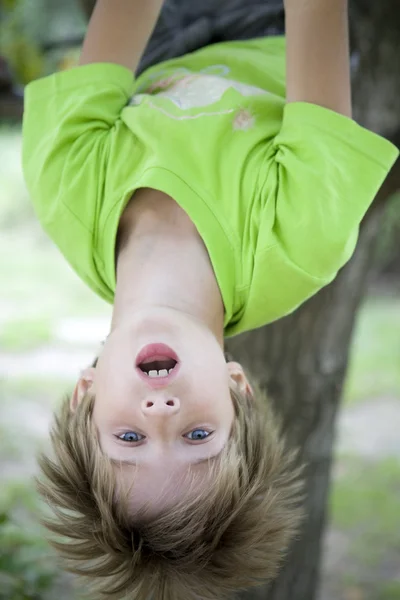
[[84, 385], [238, 377]]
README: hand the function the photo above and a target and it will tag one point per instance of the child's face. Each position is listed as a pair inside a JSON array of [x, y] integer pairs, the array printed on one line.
[[159, 427]]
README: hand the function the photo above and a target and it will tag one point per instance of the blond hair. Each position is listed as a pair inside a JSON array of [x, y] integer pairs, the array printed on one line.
[[233, 535]]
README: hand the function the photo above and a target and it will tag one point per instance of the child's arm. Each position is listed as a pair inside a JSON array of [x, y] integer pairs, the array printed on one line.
[[119, 30], [318, 61]]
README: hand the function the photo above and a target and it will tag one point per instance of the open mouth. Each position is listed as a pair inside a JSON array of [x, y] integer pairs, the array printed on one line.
[[157, 361], [159, 367]]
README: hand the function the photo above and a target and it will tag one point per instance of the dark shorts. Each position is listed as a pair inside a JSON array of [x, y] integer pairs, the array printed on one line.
[[188, 25]]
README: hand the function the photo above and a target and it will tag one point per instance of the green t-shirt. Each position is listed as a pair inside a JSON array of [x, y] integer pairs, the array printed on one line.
[[276, 191]]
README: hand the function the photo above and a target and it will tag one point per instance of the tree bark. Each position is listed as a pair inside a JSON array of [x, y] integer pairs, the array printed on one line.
[[11, 106], [87, 6]]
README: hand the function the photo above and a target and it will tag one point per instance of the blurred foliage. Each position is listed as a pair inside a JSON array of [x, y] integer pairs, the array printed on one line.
[[27, 569], [22, 52], [19, 44], [375, 354], [368, 493], [391, 591], [26, 333], [364, 505], [24, 38]]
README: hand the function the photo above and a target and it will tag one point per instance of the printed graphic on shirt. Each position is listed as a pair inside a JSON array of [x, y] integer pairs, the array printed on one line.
[[188, 90]]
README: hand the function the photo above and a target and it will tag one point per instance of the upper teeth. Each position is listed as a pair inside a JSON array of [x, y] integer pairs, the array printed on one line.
[[160, 373]]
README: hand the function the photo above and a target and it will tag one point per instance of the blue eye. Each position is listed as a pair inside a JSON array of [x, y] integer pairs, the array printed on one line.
[[197, 435], [131, 436]]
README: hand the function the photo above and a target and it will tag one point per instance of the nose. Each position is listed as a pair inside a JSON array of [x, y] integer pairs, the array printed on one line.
[[162, 407]]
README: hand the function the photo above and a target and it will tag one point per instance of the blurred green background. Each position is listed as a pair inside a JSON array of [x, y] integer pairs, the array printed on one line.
[[51, 327]]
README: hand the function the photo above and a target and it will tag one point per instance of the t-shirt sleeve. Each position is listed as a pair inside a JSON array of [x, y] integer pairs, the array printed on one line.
[[72, 135], [323, 175], [328, 171]]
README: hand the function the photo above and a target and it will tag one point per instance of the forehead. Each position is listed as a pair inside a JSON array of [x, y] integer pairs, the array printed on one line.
[[155, 489]]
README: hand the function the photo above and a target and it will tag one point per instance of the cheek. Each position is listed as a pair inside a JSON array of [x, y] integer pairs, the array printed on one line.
[[111, 406], [212, 370], [217, 383], [101, 412], [115, 363], [113, 383], [215, 399]]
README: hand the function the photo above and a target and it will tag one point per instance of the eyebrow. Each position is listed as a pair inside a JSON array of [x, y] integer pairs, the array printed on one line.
[[116, 461]]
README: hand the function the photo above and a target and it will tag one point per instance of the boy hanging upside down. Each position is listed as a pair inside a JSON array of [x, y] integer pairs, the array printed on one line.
[[211, 194]]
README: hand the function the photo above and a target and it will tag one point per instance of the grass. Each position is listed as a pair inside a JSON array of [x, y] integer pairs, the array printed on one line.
[[365, 503], [391, 591], [375, 355], [25, 334], [369, 493], [42, 389], [45, 284], [28, 569]]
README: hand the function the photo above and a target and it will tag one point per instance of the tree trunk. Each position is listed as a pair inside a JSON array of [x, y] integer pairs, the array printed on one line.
[[11, 106], [88, 6], [301, 360]]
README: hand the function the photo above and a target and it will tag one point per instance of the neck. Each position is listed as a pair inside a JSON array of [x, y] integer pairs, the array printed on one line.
[[163, 263]]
